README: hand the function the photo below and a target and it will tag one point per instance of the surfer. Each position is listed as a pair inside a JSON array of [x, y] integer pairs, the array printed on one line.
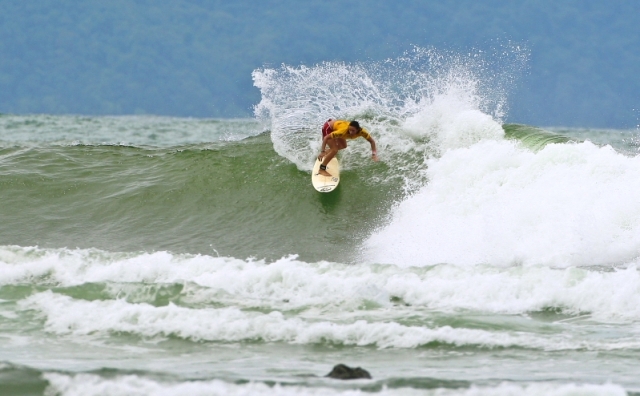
[[335, 134]]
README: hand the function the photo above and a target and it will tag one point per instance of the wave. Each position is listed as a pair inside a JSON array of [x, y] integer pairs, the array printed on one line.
[[66, 316], [235, 198], [96, 294], [475, 191], [490, 188], [127, 384], [289, 284]]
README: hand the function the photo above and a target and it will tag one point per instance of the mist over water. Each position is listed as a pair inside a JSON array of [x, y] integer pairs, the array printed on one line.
[[147, 255], [413, 105]]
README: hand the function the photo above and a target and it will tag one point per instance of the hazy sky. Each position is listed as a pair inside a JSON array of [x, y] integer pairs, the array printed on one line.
[[195, 58]]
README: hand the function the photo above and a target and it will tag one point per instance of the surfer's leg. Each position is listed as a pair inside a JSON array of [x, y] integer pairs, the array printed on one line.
[[335, 145], [341, 145], [323, 171], [327, 128]]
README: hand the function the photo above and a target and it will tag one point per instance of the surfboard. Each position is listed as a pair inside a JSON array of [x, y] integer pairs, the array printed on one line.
[[326, 184]]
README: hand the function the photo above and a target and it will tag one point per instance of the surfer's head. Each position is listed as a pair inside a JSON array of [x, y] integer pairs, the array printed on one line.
[[354, 127]]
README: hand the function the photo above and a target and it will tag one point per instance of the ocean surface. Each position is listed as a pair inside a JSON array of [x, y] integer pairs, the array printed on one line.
[[145, 255]]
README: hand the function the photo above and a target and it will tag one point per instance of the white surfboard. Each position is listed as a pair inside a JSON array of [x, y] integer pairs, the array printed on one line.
[[326, 183]]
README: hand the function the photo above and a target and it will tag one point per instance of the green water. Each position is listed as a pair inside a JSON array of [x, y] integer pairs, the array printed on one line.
[[184, 199]]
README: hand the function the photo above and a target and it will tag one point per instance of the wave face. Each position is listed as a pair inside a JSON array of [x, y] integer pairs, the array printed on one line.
[[151, 255], [230, 197]]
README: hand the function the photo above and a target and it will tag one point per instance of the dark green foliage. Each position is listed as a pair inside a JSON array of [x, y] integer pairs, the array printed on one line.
[[195, 57]]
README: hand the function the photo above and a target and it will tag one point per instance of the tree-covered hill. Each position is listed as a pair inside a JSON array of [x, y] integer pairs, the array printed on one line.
[[195, 57]]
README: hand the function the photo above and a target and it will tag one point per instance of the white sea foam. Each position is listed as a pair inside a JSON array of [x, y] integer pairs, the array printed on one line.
[[132, 385], [493, 202], [331, 290], [64, 315]]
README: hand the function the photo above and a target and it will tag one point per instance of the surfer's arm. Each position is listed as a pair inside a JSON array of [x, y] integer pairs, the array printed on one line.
[[374, 152]]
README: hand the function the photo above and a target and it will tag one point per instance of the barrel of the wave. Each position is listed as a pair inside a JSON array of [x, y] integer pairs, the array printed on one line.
[[322, 183]]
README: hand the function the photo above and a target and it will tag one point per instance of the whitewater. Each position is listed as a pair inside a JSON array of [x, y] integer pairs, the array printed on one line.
[[148, 255]]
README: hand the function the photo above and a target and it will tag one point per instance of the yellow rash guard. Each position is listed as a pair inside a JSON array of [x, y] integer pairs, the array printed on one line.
[[341, 130]]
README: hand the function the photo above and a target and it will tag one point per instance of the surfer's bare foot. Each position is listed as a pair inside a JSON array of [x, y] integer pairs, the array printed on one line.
[[324, 173]]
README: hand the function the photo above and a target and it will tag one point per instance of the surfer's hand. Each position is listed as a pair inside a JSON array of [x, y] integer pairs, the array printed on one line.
[[374, 157]]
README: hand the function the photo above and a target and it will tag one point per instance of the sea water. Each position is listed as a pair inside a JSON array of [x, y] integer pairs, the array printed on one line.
[[151, 255]]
